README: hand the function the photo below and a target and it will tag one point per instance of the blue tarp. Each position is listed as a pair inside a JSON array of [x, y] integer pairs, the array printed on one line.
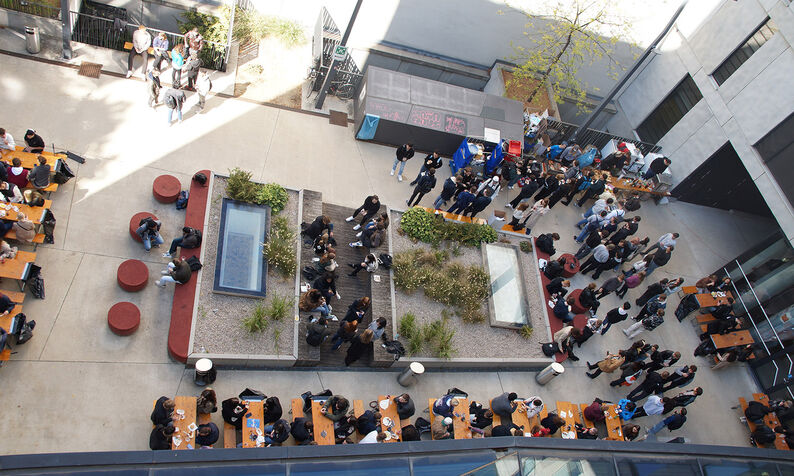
[[587, 158], [495, 159], [368, 127], [461, 157]]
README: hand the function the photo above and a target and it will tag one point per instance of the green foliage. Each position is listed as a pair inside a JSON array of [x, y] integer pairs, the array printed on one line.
[[279, 307], [525, 246], [279, 249], [462, 288], [456, 251], [250, 26], [407, 326], [561, 40], [240, 187], [525, 331], [415, 343], [436, 335], [212, 28], [273, 195], [257, 321], [430, 228]]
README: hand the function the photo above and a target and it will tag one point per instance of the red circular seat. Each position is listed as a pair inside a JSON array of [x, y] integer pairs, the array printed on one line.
[[166, 188], [135, 223], [577, 307], [132, 275], [124, 318], [571, 266]]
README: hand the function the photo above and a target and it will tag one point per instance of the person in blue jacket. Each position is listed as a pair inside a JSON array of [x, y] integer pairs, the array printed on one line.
[[445, 406], [450, 185], [554, 151], [464, 200], [627, 408]]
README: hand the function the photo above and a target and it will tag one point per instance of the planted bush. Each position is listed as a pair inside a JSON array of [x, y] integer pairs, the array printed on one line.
[[437, 335], [273, 195], [257, 321], [240, 187], [279, 249], [424, 226], [279, 307]]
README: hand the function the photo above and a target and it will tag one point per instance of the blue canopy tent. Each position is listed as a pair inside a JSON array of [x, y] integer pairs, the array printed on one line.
[[495, 159]]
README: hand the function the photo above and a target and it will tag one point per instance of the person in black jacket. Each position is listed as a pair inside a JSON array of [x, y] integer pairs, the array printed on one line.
[[207, 434], [628, 228], [558, 285], [359, 346], [432, 161], [425, 184], [163, 412], [479, 204], [405, 406], [545, 243], [552, 423], [658, 166], [276, 433], [588, 299], [653, 290], [447, 192], [34, 142], [614, 316], [370, 207], [660, 258], [160, 438], [663, 358], [652, 384], [272, 410], [595, 189], [506, 429], [549, 185], [318, 226], [326, 284], [479, 416], [368, 421], [403, 153], [302, 430], [526, 192], [233, 410]]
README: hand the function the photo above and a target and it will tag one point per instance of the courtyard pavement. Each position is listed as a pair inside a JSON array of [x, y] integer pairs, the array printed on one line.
[[98, 388]]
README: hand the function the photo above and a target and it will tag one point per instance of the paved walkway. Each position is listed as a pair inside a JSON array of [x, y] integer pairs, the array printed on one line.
[[76, 374]]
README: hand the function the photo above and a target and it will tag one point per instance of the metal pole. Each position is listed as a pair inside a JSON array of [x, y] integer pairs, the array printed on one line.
[[66, 29], [230, 34], [628, 75], [334, 64]]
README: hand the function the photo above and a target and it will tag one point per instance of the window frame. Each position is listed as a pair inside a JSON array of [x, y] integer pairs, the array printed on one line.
[[747, 48], [670, 110]]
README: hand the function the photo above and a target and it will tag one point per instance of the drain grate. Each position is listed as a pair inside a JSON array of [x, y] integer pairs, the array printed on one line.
[[338, 118], [92, 70]]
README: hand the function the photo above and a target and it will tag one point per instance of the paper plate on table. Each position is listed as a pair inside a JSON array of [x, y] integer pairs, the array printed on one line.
[[180, 412], [177, 441], [387, 421], [192, 426], [384, 404], [568, 435]]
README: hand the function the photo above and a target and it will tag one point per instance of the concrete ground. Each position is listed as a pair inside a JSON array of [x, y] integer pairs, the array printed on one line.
[[77, 375]]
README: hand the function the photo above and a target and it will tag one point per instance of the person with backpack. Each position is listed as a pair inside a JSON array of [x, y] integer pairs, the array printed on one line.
[[447, 192], [178, 271], [174, 99], [149, 231], [153, 87], [463, 200], [317, 331], [424, 185], [190, 239], [203, 87], [673, 422], [595, 189], [479, 204], [432, 161]]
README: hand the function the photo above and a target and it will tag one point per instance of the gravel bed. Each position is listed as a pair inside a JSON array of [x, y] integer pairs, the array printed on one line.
[[472, 341], [219, 327]]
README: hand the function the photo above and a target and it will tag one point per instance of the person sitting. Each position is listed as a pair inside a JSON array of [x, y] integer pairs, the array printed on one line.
[[24, 228], [756, 411], [562, 309], [318, 226], [595, 411], [558, 285], [10, 193], [190, 239], [506, 429], [440, 428], [7, 251], [539, 432], [207, 402], [149, 231], [584, 433], [317, 331], [504, 405], [445, 406], [378, 328], [545, 243], [368, 421], [277, 433], [552, 423], [178, 271], [163, 412], [39, 176], [233, 410], [335, 408], [160, 438], [34, 143], [6, 305], [626, 409], [302, 430], [762, 435], [326, 285], [322, 244], [409, 433], [370, 264], [405, 406], [17, 174], [313, 301], [207, 434], [372, 237], [630, 432], [480, 417], [374, 436], [533, 406], [271, 410]]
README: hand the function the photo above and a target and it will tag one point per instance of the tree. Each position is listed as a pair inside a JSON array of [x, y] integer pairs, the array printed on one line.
[[570, 34]]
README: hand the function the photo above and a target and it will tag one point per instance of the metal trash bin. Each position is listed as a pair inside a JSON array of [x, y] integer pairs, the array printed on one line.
[[544, 376], [32, 39], [205, 372], [408, 376]]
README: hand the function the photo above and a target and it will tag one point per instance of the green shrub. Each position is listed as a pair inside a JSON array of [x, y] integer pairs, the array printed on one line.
[[415, 343], [279, 249], [421, 225], [525, 246], [407, 325], [273, 195], [250, 26], [279, 307], [240, 187], [257, 321], [525, 331]]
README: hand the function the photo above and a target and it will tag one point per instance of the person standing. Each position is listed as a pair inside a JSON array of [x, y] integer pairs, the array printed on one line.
[[608, 365], [652, 306], [432, 161], [610, 285], [614, 316], [646, 324], [653, 290], [518, 214], [359, 346], [141, 41], [465, 198], [663, 358], [174, 99], [153, 87], [658, 166], [582, 183], [192, 67], [177, 63], [370, 208], [668, 239], [447, 191], [660, 258], [479, 204], [33, 142], [529, 188], [548, 186], [595, 189], [652, 384], [538, 210], [681, 377], [686, 398], [594, 222], [601, 255], [425, 184], [403, 153], [193, 42], [203, 87], [627, 228], [160, 49], [673, 422]]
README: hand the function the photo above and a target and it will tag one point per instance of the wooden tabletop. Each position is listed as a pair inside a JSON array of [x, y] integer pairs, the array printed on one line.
[[252, 421], [731, 339], [323, 427], [391, 413], [29, 159], [568, 411], [707, 300], [460, 420], [17, 268], [625, 184], [188, 406], [521, 419], [5, 321], [613, 423], [8, 211], [772, 421]]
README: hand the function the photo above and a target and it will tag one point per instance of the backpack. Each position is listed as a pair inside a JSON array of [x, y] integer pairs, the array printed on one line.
[[395, 347], [310, 273], [549, 349], [545, 243], [48, 225], [62, 172], [35, 282], [26, 332], [553, 270], [385, 260], [170, 101], [194, 263], [422, 425], [314, 338], [200, 178], [192, 239], [181, 201]]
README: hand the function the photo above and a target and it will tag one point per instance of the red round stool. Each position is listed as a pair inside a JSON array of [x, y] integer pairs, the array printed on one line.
[[132, 275], [577, 307], [135, 224], [166, 188], [124, 318], [571, 266]]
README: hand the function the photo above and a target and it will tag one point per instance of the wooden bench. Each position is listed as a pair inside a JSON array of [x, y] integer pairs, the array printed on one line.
[[587, 423], [770, 420], [358, 410], [15, 296], [204, 418], [689, 289], [506, 228], [704, 318], [128, 46], [453, 216], [229, 435], [53, 187], [38, 239]]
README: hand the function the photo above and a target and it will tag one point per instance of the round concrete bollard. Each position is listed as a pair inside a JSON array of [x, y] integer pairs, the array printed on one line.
[[124, 318], [166, 188], [544, 376], [205, 372], [132, 275], [408, 376]]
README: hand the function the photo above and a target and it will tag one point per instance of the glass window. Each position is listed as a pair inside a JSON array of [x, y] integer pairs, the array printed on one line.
[[756, 40], [507, 287], [264, 469], [657, 467], [737, 468], [449, 464], [240, 266], [667, 114], [550, 466], [352, 467]]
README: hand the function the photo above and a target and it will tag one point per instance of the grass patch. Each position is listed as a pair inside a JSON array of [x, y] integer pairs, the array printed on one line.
[[240, 187], [436, 336], [421, 225], [525, 331], [279, 249], [257, 321]]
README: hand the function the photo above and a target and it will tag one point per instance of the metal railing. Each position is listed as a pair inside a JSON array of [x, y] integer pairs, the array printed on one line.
[[109, 33], [564, 131], [32, 8]]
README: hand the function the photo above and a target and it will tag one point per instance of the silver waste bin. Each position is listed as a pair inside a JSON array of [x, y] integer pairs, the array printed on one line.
[[32, 39], [205, 372], [408, 376], [544, 376]]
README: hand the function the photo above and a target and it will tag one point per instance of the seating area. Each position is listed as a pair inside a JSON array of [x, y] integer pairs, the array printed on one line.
[[770, 420]]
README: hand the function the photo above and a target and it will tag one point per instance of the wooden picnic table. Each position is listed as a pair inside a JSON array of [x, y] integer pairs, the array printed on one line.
[[568, 412], [253, 421], [323, 427], [613, 423], [454, 216], [772, 421], [460, 418], [731, 339], [186, 408], [8, 211], [390, 412], [19, 267], [709, 300], [30, 159], [625, 184]]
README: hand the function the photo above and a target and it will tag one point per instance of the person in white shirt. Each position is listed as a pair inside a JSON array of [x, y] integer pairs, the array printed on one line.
[[10, 193], [141, 41], [6, 140], [533, 406], [653, 406], [373, 436], [668, 239]]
